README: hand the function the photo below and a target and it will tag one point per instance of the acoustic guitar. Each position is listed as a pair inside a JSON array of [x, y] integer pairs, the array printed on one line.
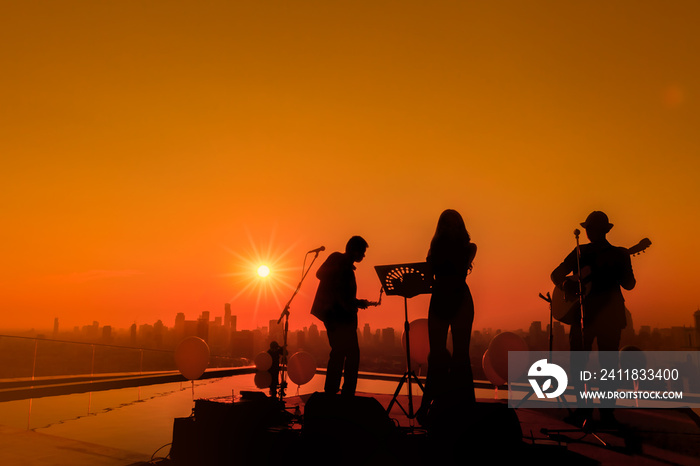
[[565, 306]]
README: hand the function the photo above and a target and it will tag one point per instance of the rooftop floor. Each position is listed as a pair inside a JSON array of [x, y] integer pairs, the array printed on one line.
[[645, 437], [25, 447]]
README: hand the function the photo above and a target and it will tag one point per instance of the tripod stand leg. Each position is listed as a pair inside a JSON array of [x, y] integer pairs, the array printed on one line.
[[523, 399], [396, 395], [409, 372], [417, 381], [410, 414]]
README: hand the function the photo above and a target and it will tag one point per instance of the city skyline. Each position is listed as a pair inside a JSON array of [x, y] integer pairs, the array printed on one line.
[[690, 322], [98, 349], [684, 336]]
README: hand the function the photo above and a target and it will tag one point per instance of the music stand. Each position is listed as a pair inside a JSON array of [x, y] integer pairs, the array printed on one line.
[[407, 281]]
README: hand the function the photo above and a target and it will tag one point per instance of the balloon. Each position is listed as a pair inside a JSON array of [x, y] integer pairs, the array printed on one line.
[[263, 379], [498, 352], [263, 361], [630, 348], [192, 357], [301, 367], [632, 357], [420, 343], [491, 374]]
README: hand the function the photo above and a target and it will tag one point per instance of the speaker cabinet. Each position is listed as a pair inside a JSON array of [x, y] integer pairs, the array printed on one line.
[[349, 430]]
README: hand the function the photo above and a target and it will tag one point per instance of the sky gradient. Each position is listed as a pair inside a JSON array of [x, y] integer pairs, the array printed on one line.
[[155, 153]]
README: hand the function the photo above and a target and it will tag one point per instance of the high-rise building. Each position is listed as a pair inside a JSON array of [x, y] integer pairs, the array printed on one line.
[[301, 339], [276, 331], [314, 336], [158, 333], [203, 326], [367, 334], [243, 344], [191, 328], [227, 316], [107, 333], [179, 326], [219, 338], [92, 331], [388, 338]]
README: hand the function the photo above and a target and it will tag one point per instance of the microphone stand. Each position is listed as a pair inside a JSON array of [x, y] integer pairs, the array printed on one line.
[[548, 299], [577, 232], [585, 428], [285, 315]]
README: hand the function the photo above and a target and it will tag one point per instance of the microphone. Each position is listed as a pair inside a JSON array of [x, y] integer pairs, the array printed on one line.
[[577, 232], [317, 250]]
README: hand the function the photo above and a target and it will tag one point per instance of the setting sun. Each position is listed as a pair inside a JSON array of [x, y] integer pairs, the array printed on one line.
[[252, 284]]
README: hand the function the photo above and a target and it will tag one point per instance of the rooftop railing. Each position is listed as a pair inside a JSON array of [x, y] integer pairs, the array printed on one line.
[[32, 367]]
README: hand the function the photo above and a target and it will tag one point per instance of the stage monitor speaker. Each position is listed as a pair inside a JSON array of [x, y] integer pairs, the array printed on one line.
[[348, 429], [484, 424], [225, 433], [185, 449]]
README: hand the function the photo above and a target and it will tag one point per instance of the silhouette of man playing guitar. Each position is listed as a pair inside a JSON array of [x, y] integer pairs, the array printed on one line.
[[596, 273]]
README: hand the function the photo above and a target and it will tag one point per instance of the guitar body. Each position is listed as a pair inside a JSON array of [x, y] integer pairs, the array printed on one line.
[[565, 306]]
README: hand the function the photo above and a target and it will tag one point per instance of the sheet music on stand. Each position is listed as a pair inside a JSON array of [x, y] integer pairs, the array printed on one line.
[[407, 280]]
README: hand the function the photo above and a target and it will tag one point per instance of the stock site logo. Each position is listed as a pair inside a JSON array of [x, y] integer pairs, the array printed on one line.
[[544, 371]]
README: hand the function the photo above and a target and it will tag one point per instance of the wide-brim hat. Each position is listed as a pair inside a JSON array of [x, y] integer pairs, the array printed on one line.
[[597, 219]]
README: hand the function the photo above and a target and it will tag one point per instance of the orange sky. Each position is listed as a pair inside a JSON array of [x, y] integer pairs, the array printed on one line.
[[150, 148]]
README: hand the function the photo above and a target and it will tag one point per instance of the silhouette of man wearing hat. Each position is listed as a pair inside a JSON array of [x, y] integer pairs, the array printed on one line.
[[604, 271]]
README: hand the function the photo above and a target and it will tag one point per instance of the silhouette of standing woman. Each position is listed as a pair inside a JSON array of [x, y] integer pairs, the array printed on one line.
[[451, 306]]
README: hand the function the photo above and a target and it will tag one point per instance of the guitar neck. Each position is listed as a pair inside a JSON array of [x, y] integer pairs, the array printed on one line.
[[639, 247]]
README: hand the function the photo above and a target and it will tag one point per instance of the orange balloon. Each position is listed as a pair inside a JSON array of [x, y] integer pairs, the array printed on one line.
[[263, 379], [301, 367], [192, 357], [420, 342], [632, 357], [498, 351]]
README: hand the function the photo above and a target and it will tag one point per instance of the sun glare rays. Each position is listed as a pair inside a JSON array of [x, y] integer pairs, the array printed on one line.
[[261, 275]]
